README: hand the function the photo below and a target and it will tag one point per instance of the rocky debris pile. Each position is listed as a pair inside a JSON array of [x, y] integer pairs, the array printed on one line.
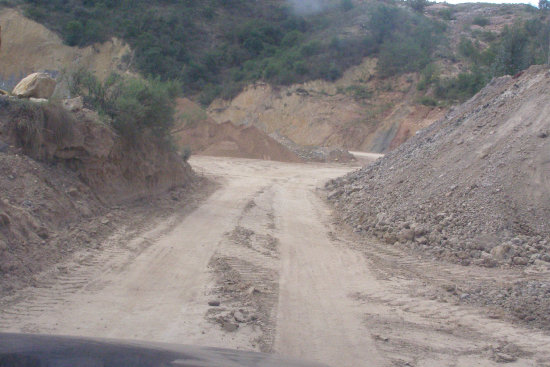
[[36, 85], [315, 154], [473, 188]]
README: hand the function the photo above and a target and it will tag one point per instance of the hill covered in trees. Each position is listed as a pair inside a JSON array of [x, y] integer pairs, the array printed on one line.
[[216, 47]]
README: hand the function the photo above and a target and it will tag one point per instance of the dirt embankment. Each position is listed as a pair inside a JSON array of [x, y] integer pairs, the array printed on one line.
[[196, 131], [473, 188], [61, 172]]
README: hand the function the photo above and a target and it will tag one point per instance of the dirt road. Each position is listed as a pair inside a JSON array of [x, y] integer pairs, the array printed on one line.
[[287, 279]]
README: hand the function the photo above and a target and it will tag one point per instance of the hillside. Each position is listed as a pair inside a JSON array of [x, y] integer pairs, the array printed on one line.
[[28, 47], [362, 75], [370, 108], [472, 188]]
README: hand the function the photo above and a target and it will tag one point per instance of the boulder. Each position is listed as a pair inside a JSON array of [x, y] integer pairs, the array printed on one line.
[[37, 85], [73, 104]]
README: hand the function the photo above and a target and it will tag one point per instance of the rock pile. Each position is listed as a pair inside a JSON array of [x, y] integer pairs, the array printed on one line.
[[315, 154], [473, 188]]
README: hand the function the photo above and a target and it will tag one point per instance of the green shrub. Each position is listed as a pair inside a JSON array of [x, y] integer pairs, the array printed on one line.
[[346, 5], [135, 106], [185, 153], [446, 14], [358, 92], [481, 21], [429, 76], [74, 33], [467, 49], [405, 40], [417, 5], [428, 101], [461, 87]]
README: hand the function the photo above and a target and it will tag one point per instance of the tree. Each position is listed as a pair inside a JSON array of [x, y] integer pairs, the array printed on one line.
[[543, 4], [346, 5], [417, 5]]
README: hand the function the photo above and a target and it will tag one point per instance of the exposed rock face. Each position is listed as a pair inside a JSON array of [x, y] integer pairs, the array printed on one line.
[[36, 85], [324, 114], [473, 188]]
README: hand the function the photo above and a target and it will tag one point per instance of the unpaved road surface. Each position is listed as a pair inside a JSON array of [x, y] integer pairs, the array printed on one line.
[[287, 278]]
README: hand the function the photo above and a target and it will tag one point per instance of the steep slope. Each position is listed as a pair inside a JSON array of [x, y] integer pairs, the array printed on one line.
[[471, 188]]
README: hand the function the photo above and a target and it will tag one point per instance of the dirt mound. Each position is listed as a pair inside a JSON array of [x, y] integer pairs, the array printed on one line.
[[472, 188], [204, 136], [59, 172]]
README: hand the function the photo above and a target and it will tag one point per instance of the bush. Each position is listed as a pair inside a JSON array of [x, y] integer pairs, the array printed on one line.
[[429, 76], [358, 92], [405, 40], [446, 14], [481, 21], [428, 101], [185, 153], [135, 106], [461, 87], [417, 5], [346, 5], [403, 55]]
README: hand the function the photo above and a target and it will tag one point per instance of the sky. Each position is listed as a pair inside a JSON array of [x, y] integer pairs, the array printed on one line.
[[532, 2]]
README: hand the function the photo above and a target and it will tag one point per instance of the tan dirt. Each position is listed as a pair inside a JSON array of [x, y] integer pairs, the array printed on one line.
[[202, 135], [288, 279]]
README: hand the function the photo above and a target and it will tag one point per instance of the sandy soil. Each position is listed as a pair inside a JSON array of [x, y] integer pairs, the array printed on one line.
[[262, 265]]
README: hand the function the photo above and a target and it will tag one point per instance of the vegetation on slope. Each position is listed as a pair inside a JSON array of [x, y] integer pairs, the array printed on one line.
[[517, 47], [216, 47], [133, 105]]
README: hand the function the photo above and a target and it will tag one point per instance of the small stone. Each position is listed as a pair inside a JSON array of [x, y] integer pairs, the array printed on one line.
[[239, 317], [214, 303], [230, 327], [520, 260], [504, 358], [422, 240], [105, 221], [406, 235], [4, 220], [3, 146]]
